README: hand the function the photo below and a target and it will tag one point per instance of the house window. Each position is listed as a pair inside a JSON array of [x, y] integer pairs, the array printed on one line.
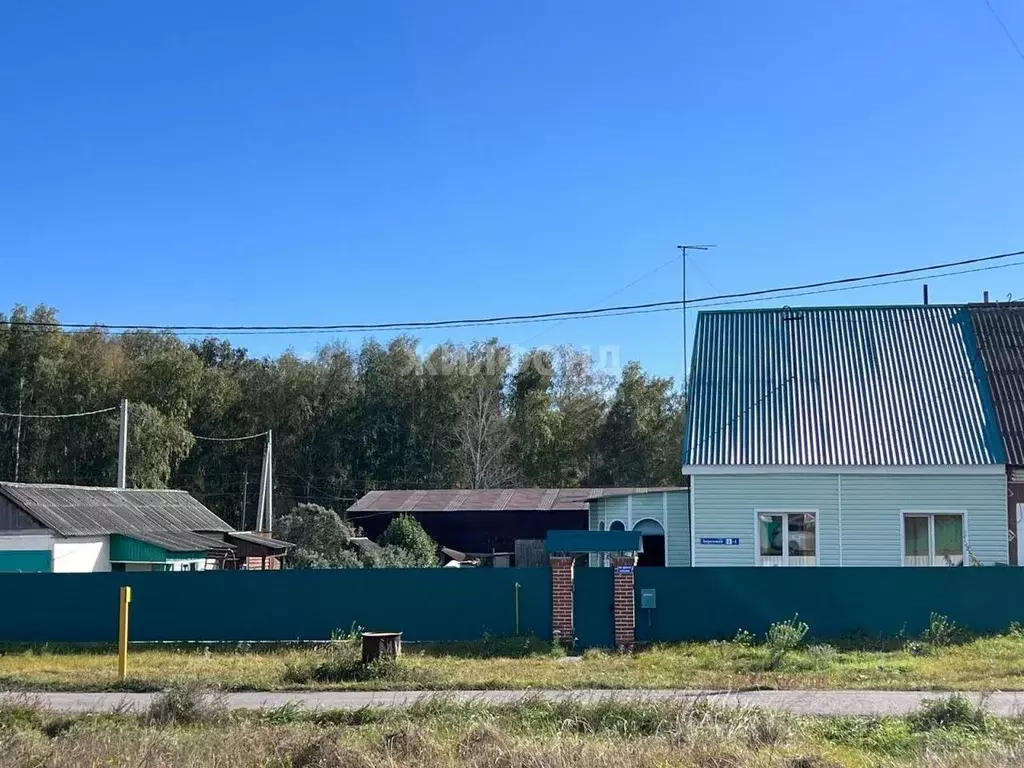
[[933, 538], [787, 538]]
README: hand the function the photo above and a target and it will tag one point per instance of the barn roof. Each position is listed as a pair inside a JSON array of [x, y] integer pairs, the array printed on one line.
[[498, 500], [71, 510], [839, 386]]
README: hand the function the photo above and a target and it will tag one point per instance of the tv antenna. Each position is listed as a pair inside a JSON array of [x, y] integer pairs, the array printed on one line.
[[684, 249]]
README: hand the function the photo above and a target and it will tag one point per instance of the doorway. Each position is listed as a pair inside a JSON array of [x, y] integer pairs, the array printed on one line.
[[653, 535]]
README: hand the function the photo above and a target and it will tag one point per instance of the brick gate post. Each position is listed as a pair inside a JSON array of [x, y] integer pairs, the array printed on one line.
[[625, 607], [562, 569]]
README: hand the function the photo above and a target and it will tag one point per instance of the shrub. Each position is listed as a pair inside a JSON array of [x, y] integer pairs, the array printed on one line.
[[941, 631], [744, 638], [783, 637], [187, 703], [406, 532], [1016, 630], [955, 711]]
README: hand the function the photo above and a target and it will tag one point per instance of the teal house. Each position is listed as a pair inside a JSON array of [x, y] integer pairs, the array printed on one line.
[[844, 436]]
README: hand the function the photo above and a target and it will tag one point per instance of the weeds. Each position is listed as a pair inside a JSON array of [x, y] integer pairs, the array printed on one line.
[[952, 712], [190, 703], [784, 637], [941, 632]]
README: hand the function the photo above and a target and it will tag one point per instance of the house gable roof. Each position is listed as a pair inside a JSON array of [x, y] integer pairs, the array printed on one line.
[[71, 510], [839, 386]]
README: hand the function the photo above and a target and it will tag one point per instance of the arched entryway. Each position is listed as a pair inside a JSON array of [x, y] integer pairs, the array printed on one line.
[[654, 543]]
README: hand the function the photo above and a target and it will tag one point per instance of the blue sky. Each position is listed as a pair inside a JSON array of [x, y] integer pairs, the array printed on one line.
[[334, 162]]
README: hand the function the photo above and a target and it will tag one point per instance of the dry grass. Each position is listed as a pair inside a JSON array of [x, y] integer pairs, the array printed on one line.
[[536, 735], [989, 663]]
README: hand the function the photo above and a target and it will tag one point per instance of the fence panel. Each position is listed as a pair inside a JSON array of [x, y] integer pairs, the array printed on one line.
[[710, 603], [435, 605]]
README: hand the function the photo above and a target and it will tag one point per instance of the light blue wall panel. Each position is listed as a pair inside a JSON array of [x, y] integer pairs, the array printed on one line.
[[670, 509], [724, 507], [873, 507]]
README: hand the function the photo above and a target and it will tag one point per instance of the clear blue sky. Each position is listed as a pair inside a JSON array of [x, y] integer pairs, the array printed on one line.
[[322, 162]]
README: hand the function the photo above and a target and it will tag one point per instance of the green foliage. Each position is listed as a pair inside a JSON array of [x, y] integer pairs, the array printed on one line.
[[941, 632], [744, 638], [783, 637], [345, 420], [1016, 630], [955, 711], [405, 532]]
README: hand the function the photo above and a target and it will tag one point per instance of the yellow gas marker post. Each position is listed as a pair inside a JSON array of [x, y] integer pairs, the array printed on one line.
[[122, 635]]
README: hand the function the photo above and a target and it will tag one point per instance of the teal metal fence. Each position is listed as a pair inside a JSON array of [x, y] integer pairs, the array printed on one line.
[[593, 608], [710, 603], [430, 605]]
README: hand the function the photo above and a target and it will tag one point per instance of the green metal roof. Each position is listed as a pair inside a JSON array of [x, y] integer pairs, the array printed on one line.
[[839, 386]]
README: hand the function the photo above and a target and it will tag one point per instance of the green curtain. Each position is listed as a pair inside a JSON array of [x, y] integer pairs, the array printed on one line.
[[915, 536]]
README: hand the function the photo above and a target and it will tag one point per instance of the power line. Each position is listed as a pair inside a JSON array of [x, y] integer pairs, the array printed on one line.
[[1006, 30], [529, 318], [58, 415], [230, 439]]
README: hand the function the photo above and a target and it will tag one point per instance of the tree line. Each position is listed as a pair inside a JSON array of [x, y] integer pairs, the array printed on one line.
[[345, 421]]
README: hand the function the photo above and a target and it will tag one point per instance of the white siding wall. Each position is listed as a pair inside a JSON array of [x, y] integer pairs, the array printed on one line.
[[873, 506], [84, 554], [25, 542], [677, 540], [670, 509], [869, 505], [724, 507]]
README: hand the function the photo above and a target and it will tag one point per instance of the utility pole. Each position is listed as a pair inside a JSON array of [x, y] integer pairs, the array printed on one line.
[[265, 511], [17, 439], [122, 447], [245, 498], [686, 367]]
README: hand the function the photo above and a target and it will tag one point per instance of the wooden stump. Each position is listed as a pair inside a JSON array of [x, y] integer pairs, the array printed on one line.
[[381, 645]]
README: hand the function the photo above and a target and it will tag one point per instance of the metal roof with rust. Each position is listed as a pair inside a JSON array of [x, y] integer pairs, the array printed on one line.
[[72, 510], [839, 386], [498, 500]]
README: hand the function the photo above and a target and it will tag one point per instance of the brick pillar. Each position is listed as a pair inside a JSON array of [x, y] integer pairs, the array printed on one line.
[[625, 607], [561, 599]]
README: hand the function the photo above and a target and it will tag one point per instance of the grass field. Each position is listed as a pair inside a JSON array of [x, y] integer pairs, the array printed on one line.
[[987, 663], [187, 727]]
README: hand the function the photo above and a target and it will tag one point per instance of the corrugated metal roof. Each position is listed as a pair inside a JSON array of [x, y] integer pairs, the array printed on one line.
[[181, 541], [497, 500], [838, 386], [259, 539], [72, 510], [999, 330]]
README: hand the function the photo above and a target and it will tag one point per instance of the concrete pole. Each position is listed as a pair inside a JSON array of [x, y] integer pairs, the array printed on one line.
[[261, 503], [122, 448], [270, 481]]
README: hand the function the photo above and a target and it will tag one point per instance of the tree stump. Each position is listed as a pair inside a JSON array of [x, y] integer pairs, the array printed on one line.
[[381, 645]]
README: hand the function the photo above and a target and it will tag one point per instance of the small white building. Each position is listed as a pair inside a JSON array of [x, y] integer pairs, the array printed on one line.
[[74, 529]]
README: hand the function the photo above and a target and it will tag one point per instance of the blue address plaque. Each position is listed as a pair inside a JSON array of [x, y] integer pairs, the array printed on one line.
[[719, 541]]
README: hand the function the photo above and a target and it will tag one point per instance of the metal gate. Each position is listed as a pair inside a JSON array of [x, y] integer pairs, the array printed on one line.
[[594, 608]]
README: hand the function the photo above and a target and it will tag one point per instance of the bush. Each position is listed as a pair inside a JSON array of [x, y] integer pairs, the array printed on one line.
[[956, 711], [1016, 630], [187, 703], [783, 637], [744, 638], [941, 631], [406, 533], [821, 653]]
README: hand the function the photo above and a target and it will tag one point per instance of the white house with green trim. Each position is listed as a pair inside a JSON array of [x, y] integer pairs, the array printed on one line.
[[75, 529]]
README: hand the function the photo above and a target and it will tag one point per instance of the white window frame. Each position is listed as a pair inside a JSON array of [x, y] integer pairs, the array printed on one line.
[[785, 550], [931, 514]]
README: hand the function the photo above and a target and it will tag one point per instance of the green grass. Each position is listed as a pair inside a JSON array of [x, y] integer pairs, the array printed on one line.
[[188, 727], [988, 663]]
